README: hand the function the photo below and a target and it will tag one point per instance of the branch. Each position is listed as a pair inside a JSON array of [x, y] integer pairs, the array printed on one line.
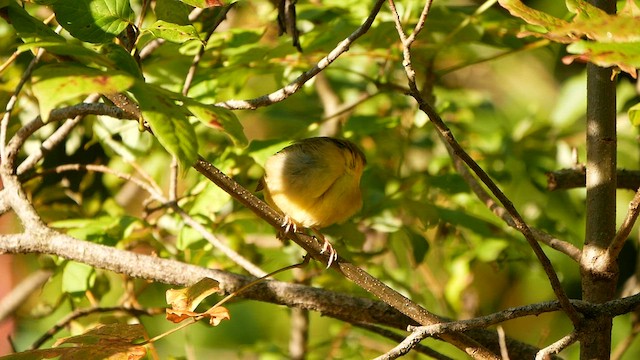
[[445, 133], [625, 229], [297, 84], [69, 112], [563, 246], [557, 346], [336, 305], [16, 298], [328, 303], [398, 338], [158, 196], [6, 117], [577, 178], [350, 271]]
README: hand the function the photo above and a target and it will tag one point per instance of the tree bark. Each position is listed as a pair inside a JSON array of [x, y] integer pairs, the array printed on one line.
[[599, 271]]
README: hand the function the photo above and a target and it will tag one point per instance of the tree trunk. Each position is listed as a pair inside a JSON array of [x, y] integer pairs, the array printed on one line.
[[599, 272]]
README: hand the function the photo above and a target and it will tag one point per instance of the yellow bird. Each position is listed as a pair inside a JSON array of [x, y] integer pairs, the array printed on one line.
[[315, 183]]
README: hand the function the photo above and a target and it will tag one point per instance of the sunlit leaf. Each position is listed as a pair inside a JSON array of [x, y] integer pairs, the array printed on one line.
[[95, 21], [58, 83], [172, 11], [28, 27], [77, 277], [75, 51], [169, 123], [218, 118], [203, 4], [173, 32], [634, 115]]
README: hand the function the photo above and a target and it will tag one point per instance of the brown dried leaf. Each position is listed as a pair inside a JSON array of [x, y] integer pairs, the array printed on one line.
[[188, 299]]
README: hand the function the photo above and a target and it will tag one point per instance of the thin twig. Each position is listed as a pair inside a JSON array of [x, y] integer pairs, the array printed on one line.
[[502, 339], [57, 137], [18, 295], [419, 348], [445, 132], [4, 123], [556, 347], [626, 343], [297, 84], [69, 112], [625, 229], [563, 246], [173, 179]]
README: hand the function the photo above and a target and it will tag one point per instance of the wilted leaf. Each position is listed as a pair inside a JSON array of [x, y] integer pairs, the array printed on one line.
[[215, 315], [626, 56], [614, 37], [112, 342], [184, 301], [190, 297], [534, 17]]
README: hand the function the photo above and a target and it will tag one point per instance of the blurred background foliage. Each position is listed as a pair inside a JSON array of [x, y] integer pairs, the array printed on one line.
[[510, 101]]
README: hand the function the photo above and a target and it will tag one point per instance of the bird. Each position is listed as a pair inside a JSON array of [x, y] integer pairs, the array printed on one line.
[[315, 183]]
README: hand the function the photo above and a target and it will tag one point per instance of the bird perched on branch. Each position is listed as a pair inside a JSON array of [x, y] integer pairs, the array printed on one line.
[[315, 183]]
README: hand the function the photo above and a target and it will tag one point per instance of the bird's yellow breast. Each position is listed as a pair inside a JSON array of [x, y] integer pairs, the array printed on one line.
[[316, 181]]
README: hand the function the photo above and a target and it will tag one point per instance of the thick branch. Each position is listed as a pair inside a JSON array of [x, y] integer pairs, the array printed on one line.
[[577, 178]]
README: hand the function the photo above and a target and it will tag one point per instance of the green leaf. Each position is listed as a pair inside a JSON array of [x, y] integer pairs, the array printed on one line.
[[77, 277], [172, 11], [58, 83], [173, 32], [419, 245], [218, 118], [203, 4], [634, 115], [462, 219], [28, 27], [106, 230], [490, 249], [189, 237], [169, 123], [94, 21], [76, 51], [122, 59]]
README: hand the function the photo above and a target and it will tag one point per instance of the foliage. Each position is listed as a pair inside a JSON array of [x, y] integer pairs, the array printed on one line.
[[514, 103]]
